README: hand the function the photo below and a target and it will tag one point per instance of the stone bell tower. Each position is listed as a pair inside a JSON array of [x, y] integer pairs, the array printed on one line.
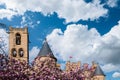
[[18, 44]]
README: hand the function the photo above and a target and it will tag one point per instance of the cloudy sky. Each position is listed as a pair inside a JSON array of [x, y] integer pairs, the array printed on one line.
[[87, 30]]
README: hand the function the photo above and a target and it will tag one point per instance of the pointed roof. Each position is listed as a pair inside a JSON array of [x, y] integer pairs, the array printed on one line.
[[98, 71], [46, 51]]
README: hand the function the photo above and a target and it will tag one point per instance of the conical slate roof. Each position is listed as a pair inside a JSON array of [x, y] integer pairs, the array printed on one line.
[[46, 51], [98, 71]]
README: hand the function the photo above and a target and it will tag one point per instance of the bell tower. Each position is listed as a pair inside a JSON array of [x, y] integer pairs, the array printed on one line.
[[18, 44]]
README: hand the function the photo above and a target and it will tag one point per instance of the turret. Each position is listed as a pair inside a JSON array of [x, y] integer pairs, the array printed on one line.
[[46, 51], [98, 74], [45, 55]]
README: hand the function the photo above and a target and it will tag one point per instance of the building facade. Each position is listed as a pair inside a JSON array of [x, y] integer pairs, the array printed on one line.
[[93, 72], [18, 44], [72, 66]]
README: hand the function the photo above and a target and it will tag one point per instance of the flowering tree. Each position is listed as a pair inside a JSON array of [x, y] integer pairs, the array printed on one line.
[[20, 70], [13, 70], [46, 71]]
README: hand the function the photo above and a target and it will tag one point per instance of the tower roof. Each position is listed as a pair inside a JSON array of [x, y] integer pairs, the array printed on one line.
[[46, 51], [98, 71]]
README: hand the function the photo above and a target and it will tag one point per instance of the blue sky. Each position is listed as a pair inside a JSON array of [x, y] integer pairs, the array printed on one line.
[[88, 30]]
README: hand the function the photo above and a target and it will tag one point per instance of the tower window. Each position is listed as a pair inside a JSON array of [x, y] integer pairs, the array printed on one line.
[[18, 39], [21, 52], [14, 52]]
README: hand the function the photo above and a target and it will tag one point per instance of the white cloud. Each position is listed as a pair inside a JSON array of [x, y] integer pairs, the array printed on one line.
[[75, 41], [116, 75], [23, 22], [87, 45], [7, 13], [33, 53], [71, 10], [112, 3], [38, 22], [3, 41], [110, 67], [74, 10], [28, 21]]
